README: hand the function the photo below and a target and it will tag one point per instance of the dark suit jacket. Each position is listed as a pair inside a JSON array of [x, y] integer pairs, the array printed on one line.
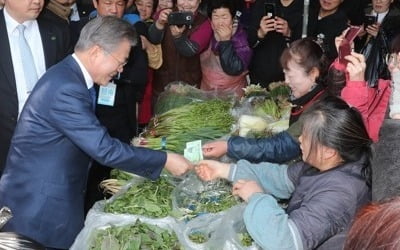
[[55, 44], [45, 177]]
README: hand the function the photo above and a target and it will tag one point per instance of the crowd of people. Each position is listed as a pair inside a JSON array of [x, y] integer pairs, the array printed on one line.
[[79, 79]]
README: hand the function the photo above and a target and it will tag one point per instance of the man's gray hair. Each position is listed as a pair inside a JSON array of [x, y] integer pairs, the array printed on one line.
[[107, 32]]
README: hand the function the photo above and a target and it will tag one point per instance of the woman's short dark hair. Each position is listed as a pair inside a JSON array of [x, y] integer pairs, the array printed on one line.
[[395, 44], [376, 226], [333, 123], [217, 4], [308, 54]]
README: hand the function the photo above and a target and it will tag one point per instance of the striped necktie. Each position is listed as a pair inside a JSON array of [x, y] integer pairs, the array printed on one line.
[[28, 63]]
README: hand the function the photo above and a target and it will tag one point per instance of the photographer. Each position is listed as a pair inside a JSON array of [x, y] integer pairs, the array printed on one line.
[[375, 39], [181, 45], [269, 34]]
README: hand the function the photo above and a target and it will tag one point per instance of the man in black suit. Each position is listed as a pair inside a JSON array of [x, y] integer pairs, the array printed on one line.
[[48, 44]]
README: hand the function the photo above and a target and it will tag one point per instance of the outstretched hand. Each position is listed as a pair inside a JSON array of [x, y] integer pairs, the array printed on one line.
[[209, 170], [177, 164], [215, 149]]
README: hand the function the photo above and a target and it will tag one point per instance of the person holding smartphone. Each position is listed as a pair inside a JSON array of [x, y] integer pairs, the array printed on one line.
[[273, 25], [350, 84], [181, 46], [376, 37], [375, 15]]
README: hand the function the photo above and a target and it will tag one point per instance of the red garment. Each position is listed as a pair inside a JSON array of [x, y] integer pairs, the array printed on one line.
[[214, 77], [371, 102], [145, 107]]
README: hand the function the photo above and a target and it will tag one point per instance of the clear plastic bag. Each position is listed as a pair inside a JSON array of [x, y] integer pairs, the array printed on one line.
[[194, 197], [178, 93], [97, 219]]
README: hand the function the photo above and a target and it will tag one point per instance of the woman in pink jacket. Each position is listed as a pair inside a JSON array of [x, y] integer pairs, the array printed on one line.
[[348, 81]]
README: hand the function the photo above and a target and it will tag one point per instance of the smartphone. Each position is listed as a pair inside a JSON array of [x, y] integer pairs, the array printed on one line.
[[370, 19], [270, 9], [180, 18], [345, 46]]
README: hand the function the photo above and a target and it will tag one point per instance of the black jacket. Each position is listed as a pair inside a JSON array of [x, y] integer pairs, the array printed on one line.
[[265, 66]]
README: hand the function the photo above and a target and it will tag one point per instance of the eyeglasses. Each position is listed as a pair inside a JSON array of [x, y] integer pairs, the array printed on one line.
[[120, 64], [391, 58]]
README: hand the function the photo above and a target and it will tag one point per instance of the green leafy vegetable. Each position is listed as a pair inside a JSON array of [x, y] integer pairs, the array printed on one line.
[[150, 198], [139, 236]]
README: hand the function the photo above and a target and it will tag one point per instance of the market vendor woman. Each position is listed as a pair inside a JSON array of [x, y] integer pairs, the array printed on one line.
[[305, 67], [325, 189]]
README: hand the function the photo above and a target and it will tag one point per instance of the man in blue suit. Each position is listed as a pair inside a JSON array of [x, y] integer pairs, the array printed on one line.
[[58, 133]]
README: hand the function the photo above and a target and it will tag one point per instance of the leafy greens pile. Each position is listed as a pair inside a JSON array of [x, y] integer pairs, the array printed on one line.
[[139, 236], [149, 198]]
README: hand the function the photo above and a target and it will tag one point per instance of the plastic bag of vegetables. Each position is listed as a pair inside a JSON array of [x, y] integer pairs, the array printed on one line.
[[193, 197], [110, 231], [143, 197], [263, 112], [234, 234], [198, 232], [178, 93]]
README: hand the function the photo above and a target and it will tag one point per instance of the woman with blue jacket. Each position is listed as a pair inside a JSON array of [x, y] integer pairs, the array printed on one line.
[[325, 189], [305, 67]]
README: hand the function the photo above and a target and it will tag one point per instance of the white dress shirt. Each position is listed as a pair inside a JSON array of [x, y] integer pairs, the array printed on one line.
[[74, 13], [86, 75], [34, 40], [381, 16]]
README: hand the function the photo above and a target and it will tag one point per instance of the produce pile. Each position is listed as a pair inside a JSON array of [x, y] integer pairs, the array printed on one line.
[[137, 236], [185, 114], [118, 179], [149, 198], [263, 112], [205, 120], [193, 197], [178, 94]]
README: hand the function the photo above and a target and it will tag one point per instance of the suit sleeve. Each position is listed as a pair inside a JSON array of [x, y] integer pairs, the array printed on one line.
[[73, 116]]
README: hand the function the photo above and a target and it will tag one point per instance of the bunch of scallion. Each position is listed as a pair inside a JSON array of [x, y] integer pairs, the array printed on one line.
[[139, 236], [212, 114], [148, 198], [177, 142]]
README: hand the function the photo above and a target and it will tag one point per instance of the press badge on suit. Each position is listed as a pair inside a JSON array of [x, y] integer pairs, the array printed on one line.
[[107, 94]]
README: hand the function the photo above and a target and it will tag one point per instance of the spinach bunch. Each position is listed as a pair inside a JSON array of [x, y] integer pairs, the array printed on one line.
[[149, 198], [139, 236]]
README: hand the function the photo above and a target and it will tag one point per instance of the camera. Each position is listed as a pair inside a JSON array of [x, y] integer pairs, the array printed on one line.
[[370, 19], [180, 18], [270, 9]]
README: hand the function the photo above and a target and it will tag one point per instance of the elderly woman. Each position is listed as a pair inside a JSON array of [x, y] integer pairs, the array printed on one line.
[[224, 64]]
